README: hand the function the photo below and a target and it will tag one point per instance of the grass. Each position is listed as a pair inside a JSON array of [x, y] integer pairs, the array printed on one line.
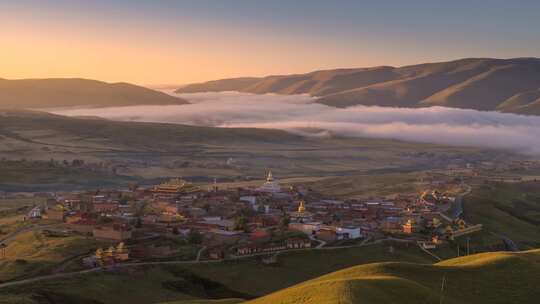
[[32, 253], [363, 186], [230, 280], [36, 175], [150, 150], [221, 301], [484, 278], [508, 209], [296, 267]]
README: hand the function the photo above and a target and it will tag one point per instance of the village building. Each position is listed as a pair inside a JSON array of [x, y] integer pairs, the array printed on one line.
[[56, 214], [301, 215], [174, 188], [271, 185], [349, 232], [307, 228], [410, 227]]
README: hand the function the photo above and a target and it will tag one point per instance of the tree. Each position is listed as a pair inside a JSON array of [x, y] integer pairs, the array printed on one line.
[[123, 200], [284, 222], [240, 223], [138, 224], [194, 237]]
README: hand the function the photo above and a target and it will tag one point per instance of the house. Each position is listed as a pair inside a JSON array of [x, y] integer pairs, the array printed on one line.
[[410, 227], [56, 214], [216, 253], [349, 232], [307, 228], [106, 206], [260, 248], [34, 213], [327, 235], [298, 243]]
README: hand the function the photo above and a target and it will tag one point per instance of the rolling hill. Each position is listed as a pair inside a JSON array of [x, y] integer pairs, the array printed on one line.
[[497, 277], [509, 85], [59, 92], [157, 150]]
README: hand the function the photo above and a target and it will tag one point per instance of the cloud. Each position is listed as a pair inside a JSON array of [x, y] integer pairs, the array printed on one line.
[[299, 114]]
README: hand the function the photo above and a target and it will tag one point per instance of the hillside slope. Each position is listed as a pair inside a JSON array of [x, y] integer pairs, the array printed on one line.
[[473, 83], [497, 277], [156, 150], [46, 93]]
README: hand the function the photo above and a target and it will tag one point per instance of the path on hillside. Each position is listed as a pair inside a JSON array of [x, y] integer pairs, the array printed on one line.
[[199, 253], [321, 242]]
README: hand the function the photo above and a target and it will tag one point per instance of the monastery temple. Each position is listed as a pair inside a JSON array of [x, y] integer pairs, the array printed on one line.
[[271, 185]]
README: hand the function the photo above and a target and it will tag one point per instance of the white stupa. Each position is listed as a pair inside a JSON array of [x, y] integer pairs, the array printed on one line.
[[271, 185]]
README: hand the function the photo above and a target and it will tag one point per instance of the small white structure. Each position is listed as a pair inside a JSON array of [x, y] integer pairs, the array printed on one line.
[[349, 232], [271, 185], [34, 213]]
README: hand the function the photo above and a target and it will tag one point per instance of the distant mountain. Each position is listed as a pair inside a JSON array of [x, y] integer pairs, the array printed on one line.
[[231, 84], [497, 277], [63, 92], [508, 85]]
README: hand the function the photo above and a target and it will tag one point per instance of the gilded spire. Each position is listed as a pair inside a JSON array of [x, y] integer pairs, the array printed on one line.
[[301, 207], [269, 177]]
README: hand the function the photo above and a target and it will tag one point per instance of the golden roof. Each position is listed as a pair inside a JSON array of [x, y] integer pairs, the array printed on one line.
[[175, 185]]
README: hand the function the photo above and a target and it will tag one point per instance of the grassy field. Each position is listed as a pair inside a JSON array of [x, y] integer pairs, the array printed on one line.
[[35, 176], [32, 253], [496, 277], [484, 278], [229, 280], [149, 150], [506, 209], [368, 185]]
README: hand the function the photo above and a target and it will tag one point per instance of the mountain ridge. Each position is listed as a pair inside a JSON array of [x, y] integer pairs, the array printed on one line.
[[472, 83], [74, 92]]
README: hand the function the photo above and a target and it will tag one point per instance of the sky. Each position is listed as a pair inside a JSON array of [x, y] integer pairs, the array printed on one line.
[[175, 42]]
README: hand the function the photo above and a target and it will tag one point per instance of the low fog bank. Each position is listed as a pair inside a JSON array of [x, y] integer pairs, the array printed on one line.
[[298, 114]]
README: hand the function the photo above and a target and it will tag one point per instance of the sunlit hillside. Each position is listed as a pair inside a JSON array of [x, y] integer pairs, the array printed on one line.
[[497, 277]]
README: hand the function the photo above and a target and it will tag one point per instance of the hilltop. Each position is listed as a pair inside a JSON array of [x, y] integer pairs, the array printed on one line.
[[74, 92], [507, 85], [498, 277]]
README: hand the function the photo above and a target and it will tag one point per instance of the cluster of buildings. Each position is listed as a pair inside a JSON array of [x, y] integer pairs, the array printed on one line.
[[241, 221]]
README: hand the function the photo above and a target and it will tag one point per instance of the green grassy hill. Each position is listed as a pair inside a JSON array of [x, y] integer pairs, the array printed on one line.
[[70, 92], [484, 278], [511, 210], [209, 281]]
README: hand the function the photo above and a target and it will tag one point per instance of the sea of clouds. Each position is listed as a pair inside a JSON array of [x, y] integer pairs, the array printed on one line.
[[299, 114]]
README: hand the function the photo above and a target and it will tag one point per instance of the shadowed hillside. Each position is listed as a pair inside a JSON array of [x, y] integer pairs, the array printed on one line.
[[475, 83], [498, 277], [46, 93]]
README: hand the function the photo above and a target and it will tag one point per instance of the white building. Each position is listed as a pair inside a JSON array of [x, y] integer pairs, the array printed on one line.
[[34, 213], [351, 232], [271, 185]]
